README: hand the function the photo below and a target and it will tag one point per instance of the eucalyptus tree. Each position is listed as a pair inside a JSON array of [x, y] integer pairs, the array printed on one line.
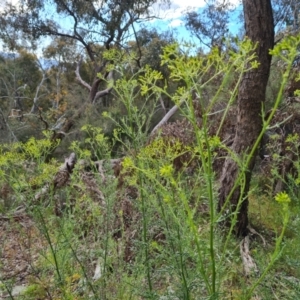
[[23, 90], [259, 27], [210, 25], [19, 75], [90, 23], [286, 14]]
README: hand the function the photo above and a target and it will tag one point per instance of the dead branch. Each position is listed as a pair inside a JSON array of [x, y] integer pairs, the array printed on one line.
[[165, 119], [36, 96], [59, 123], [43, 191], [60, 179], [112, 161], [253, 231], [78, 77], [92, 187], [99, 165]]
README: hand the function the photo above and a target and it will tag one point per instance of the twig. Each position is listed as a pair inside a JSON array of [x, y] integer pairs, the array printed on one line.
[[253, 231], [42, 119]]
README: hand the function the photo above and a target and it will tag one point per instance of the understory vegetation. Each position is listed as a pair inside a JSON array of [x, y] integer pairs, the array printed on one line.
[[135, 215]]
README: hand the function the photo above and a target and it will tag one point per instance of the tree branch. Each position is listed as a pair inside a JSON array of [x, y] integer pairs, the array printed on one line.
[[107, 90], [78, 77], [165, 119], [76, 35], [34, 107]]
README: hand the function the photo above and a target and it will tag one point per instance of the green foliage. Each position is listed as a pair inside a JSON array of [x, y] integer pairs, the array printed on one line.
[[17, 88], [153, 233], [134, 119], [95, 145], [23, 167]]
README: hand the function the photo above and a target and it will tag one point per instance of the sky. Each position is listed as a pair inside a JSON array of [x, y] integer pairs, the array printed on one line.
[[171, 17], [171, 14]]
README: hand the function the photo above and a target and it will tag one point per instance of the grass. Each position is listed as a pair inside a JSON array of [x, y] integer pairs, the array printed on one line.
[[165, 263], [155, 234]]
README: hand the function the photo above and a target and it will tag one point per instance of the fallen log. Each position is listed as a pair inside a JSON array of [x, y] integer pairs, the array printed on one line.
[[60, 179]]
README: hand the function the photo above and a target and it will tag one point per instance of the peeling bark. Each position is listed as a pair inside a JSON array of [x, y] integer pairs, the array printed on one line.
[[249, 264]]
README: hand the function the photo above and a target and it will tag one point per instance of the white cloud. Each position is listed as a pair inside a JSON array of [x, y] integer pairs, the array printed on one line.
[[178, 8], [176, 23], [189, 3], [4, 3], [200, 3], [13, 2]]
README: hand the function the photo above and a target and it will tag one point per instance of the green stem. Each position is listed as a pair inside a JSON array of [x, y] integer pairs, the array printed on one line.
[[145, 240]]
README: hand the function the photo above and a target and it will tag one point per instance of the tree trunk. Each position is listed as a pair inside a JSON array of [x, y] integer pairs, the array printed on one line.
[[259, 28]]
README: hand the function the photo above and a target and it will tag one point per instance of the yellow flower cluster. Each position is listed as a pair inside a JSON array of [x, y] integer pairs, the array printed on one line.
[[47, 171], [282, 197], [37, 148], [163, 148], [166, 171], [292, 138], [127, 163]]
